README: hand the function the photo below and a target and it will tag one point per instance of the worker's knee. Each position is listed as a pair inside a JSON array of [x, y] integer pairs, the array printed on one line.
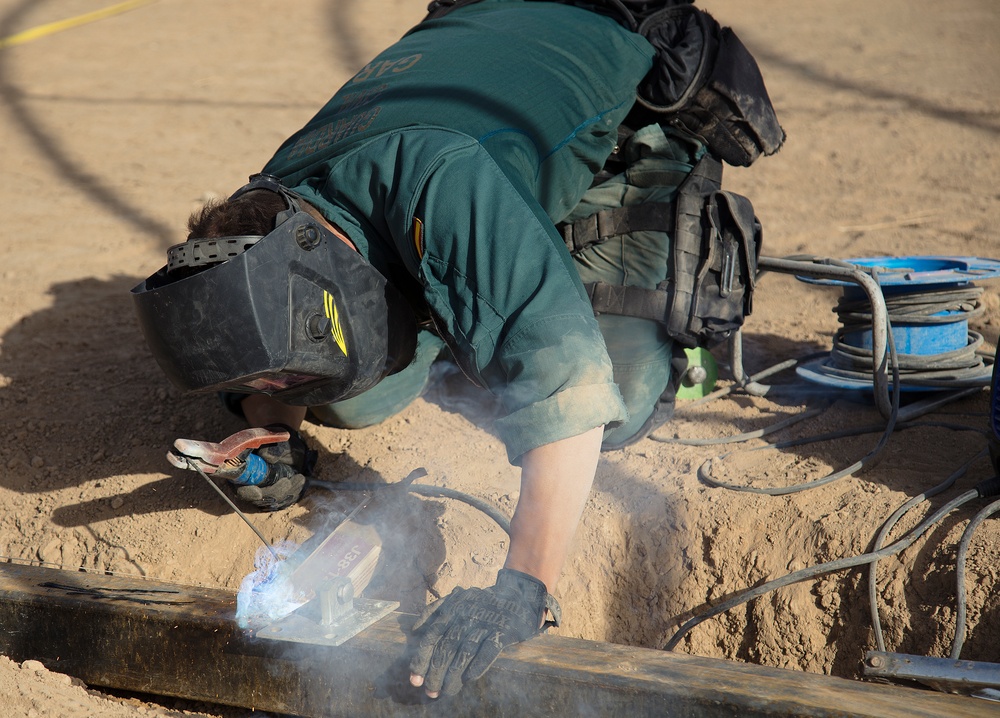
[[359, 412], [388, 397], [649, 400], [641, 355]]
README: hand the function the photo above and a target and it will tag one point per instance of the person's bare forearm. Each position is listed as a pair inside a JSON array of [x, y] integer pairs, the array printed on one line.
[[555, 483]]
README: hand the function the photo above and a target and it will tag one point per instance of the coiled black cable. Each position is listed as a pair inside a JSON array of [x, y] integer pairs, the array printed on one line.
[[928, 306], [949, 369], [961, 366]]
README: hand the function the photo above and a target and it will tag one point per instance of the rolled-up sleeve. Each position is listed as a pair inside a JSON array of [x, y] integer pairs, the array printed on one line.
[[559, 384]]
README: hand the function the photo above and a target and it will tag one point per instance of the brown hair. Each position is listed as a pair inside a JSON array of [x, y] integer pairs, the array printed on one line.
[[250, 214]]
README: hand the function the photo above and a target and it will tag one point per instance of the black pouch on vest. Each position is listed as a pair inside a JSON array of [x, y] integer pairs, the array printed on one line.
[[712, 271], [715, 249]]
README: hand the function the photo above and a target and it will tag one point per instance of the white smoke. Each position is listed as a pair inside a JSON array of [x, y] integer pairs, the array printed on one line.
[[266, 594]]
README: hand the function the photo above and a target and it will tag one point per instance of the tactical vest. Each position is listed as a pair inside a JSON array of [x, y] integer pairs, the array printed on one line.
[[714, 242], [704, 82]]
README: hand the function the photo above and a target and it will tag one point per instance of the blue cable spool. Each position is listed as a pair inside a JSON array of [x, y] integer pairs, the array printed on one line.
[[930, 301]]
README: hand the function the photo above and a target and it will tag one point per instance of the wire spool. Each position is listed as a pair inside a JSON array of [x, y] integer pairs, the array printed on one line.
[[930, 301], [701, 374]]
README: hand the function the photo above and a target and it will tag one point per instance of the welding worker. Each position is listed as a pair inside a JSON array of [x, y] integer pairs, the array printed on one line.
[[416, 211]]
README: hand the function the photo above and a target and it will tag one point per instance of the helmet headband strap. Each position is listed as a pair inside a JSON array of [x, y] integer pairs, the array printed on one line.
[[199, 252], [272, 184]]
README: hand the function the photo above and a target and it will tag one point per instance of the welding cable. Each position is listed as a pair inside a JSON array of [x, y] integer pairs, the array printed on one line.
[[816, 259], [841, 434], [870, 429], [889, 525], [748, 435], [929, 307], [704, 471], [831, 436], [963, 548], [424, 490], [955, 368], [848, 433], [821, 569]]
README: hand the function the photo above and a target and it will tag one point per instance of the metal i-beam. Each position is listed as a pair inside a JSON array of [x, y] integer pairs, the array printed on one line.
[[181, 641]]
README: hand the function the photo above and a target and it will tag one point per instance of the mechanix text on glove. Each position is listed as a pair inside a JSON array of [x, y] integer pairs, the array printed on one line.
[[462, 634]]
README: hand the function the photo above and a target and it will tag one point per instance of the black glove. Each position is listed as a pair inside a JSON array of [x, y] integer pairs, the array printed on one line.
[[464, 632], [294, 452], [288, 465]]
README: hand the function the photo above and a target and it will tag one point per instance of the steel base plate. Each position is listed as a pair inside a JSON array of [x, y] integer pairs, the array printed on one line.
[[298, 628]]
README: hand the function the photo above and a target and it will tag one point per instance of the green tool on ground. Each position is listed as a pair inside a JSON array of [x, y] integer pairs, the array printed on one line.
[[700, 376]]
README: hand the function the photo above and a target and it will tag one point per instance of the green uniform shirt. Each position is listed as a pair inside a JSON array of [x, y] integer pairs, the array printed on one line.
[[448, 158]]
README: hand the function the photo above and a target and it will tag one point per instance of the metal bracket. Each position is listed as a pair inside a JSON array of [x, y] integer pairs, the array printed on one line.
[[950, 675], [341, 617]]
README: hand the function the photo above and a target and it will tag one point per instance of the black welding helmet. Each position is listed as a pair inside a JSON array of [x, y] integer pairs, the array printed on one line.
[[297, 313]]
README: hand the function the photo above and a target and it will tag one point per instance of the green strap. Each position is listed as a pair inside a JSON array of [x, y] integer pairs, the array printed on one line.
[[608, 223], [629, 301]]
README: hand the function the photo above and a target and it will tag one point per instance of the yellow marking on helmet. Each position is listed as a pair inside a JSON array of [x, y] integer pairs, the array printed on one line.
[[336, 330], [418, 236]]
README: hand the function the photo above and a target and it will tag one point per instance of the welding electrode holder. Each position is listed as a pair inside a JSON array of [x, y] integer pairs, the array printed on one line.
[[268, 486]]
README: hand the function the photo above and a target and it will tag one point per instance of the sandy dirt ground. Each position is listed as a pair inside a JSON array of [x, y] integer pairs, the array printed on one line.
[[113, 131]]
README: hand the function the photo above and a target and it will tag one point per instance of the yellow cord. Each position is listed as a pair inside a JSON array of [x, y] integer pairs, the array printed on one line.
[[54, 27]]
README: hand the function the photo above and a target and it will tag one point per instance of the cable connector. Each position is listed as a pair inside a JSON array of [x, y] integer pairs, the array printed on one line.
[[988, 487]]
